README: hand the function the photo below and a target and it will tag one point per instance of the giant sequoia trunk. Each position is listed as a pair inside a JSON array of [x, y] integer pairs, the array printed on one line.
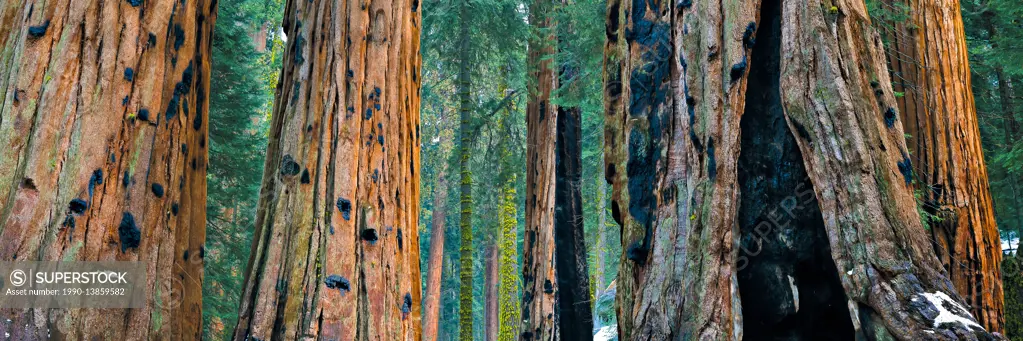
[[682, 116], [928, 52], [103, 155], [336, 250], [538, 271]]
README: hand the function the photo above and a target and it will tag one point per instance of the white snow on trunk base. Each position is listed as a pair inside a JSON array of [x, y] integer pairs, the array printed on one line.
[[606, 333], [938, 299]]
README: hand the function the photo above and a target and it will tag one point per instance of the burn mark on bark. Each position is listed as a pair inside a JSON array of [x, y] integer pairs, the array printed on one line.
[[345, 207], [788, 283], [406, 306], [77, 206], [288, 166], [370, 235], [95, 180], [337, 282], [889, 117], [749, 36], [172, 106], [739, 69], [649, 84], [157, 190], [401, 240], [179, 36], [906, 168], [38, 31], [129, 232], [305, 176]]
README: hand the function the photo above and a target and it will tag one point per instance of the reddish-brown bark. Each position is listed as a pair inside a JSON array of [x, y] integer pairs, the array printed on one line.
[[435, 265], [676, 95], [100, 100], [336, 249], [538, 278], [928, 51]]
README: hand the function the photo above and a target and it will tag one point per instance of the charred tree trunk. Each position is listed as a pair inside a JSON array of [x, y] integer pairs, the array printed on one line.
[[103, 124], [492, 321], [538, 269], [575, 317], [336, 248], [431, 317], [929, 53], [678, 99]]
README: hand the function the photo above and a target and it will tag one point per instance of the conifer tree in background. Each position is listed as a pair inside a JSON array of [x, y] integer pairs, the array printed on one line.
[[103, 122], [336, 250], [239, 95], [465, 296]]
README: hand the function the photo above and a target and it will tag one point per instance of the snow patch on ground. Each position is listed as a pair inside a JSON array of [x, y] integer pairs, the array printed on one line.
[[606, 333], [939, 299]]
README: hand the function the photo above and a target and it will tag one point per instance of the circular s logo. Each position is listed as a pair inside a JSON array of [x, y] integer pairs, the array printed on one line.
[[18, 277]]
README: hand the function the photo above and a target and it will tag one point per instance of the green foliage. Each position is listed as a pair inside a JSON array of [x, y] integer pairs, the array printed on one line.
[[994, 38], [240, 99], [498, 31], [1012, 277]]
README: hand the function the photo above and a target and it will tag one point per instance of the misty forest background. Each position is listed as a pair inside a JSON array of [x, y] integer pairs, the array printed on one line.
[[247, 51]]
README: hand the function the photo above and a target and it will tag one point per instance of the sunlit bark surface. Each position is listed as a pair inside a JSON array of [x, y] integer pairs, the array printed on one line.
[[927, 53]]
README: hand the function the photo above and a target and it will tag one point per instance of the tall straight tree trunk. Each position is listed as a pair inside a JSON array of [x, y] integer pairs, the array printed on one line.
[[938, 113], [507, 234], [336, 248], [431, 317], [600, 249], [464, 86], [99, 101], [509, 266], [538, 270], [575, 317], [676, 97], [490, 286]]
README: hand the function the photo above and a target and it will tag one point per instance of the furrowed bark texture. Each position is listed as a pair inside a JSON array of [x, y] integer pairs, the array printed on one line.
[[674, 86], [336, 250], [928, 52], [575, 317], [538, 270], [675, 94], [835, 93], [435, 267], [103, 124]]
